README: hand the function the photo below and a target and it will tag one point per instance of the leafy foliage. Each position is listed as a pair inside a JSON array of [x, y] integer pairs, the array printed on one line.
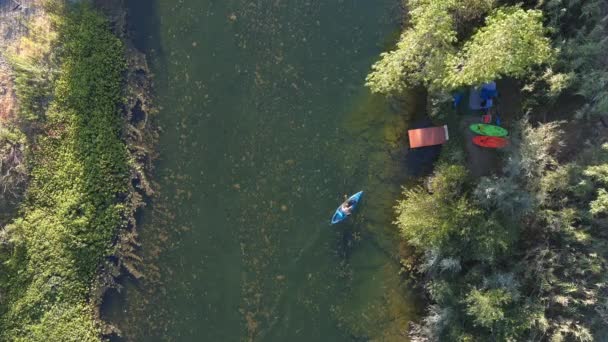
[[512, 41], [580, 34], [486, 307], [599, 174], [421, 51], [79, 171], [510, 44], [450, 211]]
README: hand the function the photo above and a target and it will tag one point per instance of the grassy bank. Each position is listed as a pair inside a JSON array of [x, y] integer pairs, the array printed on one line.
[[79, 179]]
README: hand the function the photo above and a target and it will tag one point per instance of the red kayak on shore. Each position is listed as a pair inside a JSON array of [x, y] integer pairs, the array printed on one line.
[[490, 142]]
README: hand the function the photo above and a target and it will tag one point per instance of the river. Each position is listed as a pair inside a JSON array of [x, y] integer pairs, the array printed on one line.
[[266, 124]]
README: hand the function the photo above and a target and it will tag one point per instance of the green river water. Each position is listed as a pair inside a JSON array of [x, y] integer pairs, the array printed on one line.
[[266, 124]]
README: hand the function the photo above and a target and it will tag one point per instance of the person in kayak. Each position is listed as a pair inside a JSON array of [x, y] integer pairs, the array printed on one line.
[[347, 207]]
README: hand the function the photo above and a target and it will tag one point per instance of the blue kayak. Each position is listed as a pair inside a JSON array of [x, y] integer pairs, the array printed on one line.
[[340, 216]]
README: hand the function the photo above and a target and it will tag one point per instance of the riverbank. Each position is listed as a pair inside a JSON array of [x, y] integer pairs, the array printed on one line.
[[515, 248], [82, 103]]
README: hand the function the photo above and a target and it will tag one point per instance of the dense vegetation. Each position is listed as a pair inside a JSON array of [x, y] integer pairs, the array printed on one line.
[[521, 254], [517, 256], [71, 88], [429, 52]]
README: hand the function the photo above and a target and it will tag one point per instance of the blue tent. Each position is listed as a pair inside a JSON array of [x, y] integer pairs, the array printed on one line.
[[481, 97]]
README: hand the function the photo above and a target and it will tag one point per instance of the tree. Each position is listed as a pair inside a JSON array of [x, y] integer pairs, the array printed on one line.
[[421, 51], [511, 43], [487, 307], [427, 219]]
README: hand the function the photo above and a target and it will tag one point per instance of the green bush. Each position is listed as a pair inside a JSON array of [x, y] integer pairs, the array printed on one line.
[[430, 219], [447, 218], [487, 307]]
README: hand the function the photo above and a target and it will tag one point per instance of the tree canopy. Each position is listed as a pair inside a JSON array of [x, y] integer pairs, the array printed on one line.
[[512, 41], [421, 51]]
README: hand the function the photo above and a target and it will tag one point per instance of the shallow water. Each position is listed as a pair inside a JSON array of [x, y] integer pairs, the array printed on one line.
[[265, 126]]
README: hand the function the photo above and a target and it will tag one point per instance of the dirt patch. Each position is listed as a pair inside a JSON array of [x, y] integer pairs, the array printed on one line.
[[481, 161], [12, 17], [486, 161]]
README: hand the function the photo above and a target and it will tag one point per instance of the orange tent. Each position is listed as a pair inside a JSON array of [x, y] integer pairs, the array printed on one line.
[[428, 136]]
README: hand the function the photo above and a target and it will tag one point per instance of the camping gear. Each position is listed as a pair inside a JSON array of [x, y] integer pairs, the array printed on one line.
[[457, 99], [488, 91], [340, 216], [489, 130], [482, 97], [429, 136], [490, 142]]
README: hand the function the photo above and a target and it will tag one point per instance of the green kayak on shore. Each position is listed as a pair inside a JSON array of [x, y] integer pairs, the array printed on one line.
[[489, 130]]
